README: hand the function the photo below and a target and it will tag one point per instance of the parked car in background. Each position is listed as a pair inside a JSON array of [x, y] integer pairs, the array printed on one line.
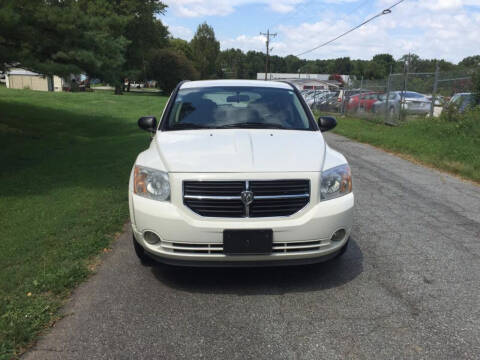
[[462, 101], [413, 103], [367, 101], [393, 104], [345, 95], [328, 102], [362, 102], [313, 96], [352, 104]]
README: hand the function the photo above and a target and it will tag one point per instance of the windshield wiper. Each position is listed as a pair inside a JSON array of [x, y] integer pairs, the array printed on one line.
[[253, 125], [186, 125]]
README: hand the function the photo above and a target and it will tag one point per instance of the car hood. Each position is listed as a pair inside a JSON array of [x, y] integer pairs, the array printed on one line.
[[240, 150]]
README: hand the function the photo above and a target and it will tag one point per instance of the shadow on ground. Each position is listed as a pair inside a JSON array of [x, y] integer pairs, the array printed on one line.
[[263, 281]]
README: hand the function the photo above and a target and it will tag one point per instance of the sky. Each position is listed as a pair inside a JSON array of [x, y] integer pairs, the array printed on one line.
[[442, 29]]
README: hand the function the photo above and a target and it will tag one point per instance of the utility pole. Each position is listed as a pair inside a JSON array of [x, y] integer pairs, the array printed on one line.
[[268, 35]]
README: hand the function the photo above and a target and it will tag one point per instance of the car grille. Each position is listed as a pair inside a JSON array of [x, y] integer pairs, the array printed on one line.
[[268, 197]]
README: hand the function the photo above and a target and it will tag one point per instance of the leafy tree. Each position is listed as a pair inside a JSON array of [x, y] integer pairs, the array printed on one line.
[[470, 61], [143, 31], [321, 66], [182, 46], [63, 37], [277, 64], [255, 63], [293, 63], [169, 67], [102, 38], [205, 49], [342, 66], [232, 64], [385, 62], [476, 86]]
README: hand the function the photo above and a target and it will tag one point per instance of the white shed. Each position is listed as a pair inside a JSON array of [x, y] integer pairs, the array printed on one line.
[[25, 79]]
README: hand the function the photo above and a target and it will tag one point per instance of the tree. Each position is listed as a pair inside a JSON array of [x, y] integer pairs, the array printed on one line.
[[182, 46], [342, 66], [255, 63], [232, 64], [102, 38], [385, 62], [144, 32], [476, 86], [169, 67], [470, 61], [63, 37], [293, 63], [205, 49]]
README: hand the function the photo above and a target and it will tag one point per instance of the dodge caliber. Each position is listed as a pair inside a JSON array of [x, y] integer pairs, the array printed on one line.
[[238, 174]]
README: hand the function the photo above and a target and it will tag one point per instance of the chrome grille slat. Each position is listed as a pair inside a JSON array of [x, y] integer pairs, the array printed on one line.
[[217, 248], [224, 198]]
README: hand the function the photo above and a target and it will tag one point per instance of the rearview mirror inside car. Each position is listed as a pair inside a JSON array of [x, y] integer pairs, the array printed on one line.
[[326, 123], [148, 123], [238, 98]]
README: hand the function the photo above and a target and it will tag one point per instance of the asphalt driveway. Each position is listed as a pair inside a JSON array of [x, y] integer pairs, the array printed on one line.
[[408, 287]]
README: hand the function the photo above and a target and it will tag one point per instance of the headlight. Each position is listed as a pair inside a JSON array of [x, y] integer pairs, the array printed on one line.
[[336, 182], [150, 183]]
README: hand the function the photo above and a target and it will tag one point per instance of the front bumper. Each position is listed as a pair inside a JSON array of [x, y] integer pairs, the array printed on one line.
[[188, 238]]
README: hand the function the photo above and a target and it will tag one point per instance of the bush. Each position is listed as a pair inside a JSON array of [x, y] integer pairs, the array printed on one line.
[[467, 123], [169, 67], [476, 86]]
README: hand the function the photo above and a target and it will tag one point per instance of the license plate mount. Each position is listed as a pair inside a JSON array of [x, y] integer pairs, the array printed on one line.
[[247, 242]]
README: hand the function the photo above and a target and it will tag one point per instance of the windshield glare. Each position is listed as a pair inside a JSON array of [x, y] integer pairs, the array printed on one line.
[[237, 107]]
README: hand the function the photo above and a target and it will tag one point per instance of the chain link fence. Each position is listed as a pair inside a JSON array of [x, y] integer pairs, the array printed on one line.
[[397, 98]]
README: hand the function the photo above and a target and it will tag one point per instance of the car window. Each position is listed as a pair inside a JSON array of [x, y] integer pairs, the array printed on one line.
[[456, 99], [414, 95], [243, 107]]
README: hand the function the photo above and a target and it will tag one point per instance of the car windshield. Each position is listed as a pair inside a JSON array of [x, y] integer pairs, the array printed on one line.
[[462, 99], [237, 107]]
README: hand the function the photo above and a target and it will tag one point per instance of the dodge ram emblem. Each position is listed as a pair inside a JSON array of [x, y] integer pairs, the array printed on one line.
[[247, 197]]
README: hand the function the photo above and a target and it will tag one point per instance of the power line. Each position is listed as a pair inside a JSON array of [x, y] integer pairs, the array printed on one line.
[[384, 12], [267, 34]]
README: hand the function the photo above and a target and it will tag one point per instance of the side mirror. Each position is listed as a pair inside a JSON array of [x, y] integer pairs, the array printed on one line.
[[326, 123], [148, 123]]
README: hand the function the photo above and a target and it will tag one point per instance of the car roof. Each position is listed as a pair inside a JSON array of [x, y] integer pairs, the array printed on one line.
[[247, 83]]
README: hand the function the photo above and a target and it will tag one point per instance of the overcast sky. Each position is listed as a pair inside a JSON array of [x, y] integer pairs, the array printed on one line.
[[448, 29]]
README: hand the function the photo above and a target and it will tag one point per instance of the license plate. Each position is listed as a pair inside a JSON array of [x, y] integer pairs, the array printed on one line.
[[247, 242]]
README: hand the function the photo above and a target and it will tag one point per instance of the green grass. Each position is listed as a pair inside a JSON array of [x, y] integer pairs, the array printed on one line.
[[450, 146], [65, 161]]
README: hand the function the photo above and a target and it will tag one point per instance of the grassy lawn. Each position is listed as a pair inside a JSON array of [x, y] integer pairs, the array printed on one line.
[[449, 146], [66, 159]]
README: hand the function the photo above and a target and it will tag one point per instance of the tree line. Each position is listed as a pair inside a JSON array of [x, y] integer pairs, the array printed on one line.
[[114, 40]]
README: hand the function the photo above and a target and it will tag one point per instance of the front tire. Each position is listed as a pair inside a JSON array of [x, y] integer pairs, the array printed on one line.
[[140, 252], [343, 249]]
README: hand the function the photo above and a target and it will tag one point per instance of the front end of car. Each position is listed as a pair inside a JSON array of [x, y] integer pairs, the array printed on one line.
[[184, 218]]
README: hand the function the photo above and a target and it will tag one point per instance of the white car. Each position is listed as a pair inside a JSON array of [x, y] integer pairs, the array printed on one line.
[[238, 174]]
